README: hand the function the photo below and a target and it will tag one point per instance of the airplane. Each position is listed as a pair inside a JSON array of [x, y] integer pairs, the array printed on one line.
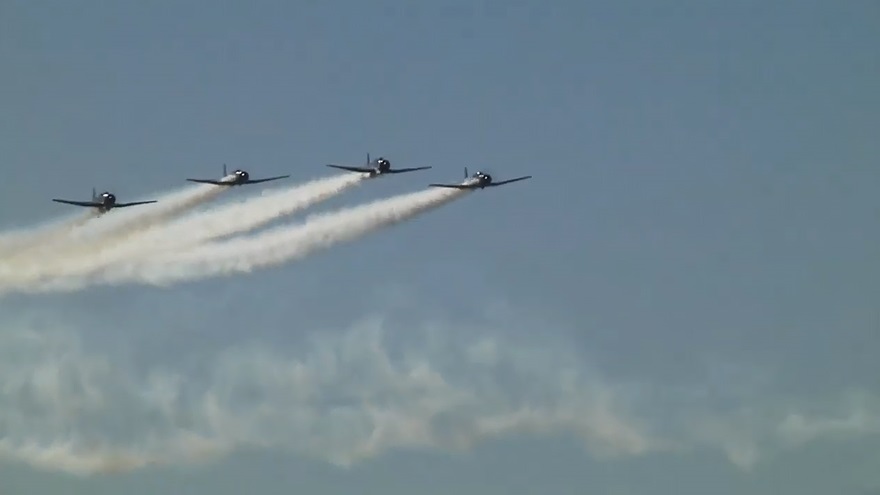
[[238, 177], [479, 180], [104, 203], [377, 167]]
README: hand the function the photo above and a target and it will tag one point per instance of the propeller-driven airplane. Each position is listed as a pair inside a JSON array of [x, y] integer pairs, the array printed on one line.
[[479, 180], [104, 203], [377, 167], [238, 177]]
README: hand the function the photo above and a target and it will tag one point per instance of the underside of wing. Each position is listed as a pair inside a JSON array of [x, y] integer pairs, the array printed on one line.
[[351, 169], [257, 181], [452, 186], [134, 203], [402, 170], [88, 204], [508, 181], [211, 181]]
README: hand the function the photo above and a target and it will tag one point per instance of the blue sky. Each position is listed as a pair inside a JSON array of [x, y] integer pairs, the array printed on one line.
[[684, 299]]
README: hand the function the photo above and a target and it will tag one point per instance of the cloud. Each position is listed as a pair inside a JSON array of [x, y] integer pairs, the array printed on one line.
[[856, 416], [346, 396], [762, 427]]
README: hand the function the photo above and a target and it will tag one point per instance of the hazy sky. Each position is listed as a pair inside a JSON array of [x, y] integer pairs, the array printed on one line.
[[685, 299]]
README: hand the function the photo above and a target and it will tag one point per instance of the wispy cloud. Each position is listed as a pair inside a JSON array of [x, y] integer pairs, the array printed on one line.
[[352, 395], [763, 426], [856, 415], [348, 396]]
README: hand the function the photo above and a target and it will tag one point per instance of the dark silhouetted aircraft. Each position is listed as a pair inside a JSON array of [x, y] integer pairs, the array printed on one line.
[[379, 166], [238, 177], [104, 203], [479, 180]]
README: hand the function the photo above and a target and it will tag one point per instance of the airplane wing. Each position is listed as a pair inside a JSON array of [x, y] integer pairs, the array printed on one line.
[[87, 204], [257, 181], [362, 170], [135, 203], [508, 181], [402, 170], [455, 186], [210, 181]]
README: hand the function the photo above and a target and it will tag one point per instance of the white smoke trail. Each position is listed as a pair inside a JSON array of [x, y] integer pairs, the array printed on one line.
[[140, 243], [14, 243], [173, 205], [250, 214], [117, 227], [261, 251], [122, 228], [58, 248], [223, 221]]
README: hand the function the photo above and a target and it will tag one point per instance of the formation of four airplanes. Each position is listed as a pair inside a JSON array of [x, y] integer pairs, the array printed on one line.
[[376, 167]]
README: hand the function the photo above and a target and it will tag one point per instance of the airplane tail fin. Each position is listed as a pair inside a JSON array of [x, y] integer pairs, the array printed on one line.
[[465, 173], [368, 158], [94, 194], [224, 170]]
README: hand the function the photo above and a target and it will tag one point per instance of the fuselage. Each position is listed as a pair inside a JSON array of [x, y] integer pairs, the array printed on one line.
[[482, 179], [107, 200], [380, 166], [239, 177]]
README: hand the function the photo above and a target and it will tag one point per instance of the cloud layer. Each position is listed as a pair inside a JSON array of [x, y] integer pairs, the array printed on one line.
[[351, 395], [348, 396]]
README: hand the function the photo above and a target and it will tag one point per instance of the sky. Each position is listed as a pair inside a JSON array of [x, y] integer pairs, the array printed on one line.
[[684, 299]]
